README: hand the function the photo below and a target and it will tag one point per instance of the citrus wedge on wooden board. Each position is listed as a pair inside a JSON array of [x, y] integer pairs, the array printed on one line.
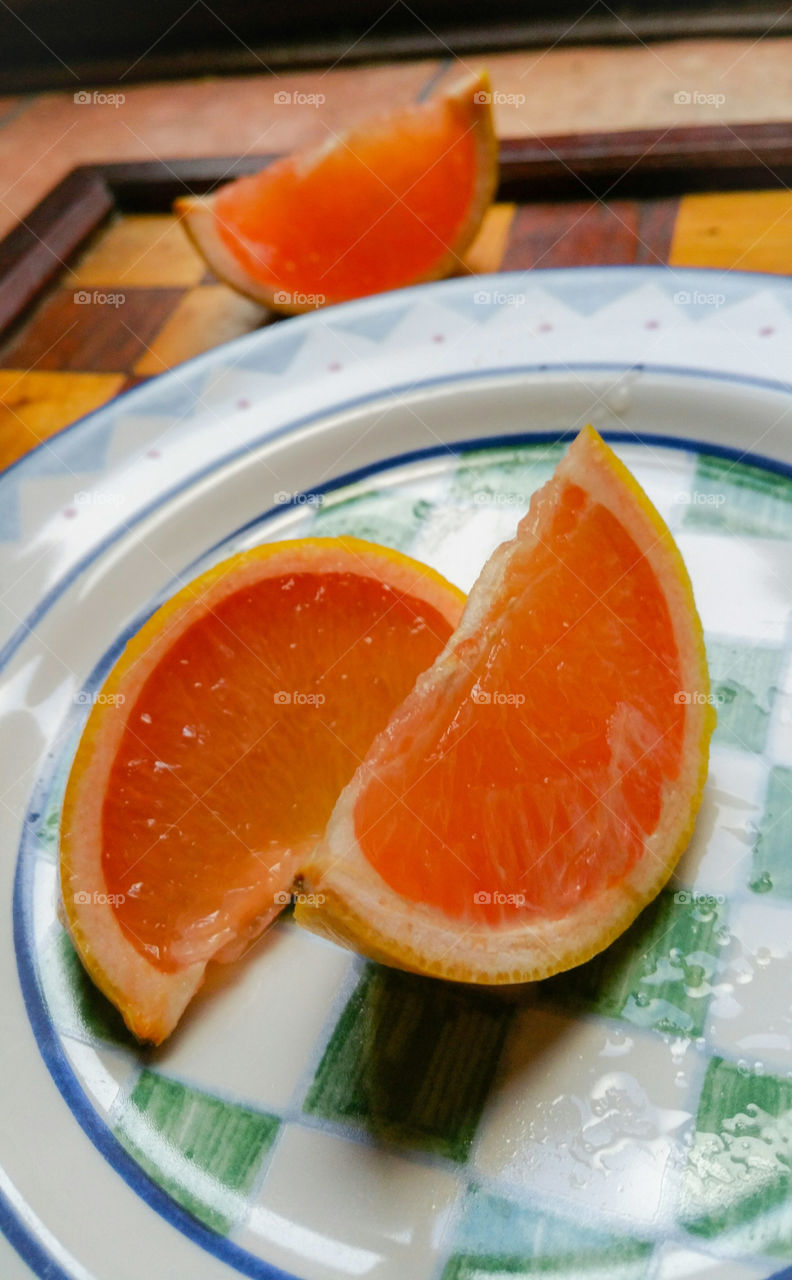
[[539, 783], [210, 764], [393, 202]]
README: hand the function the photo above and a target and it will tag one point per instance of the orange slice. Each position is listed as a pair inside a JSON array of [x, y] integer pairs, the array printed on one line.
[[540, 781], [393, 202], [211, 762]]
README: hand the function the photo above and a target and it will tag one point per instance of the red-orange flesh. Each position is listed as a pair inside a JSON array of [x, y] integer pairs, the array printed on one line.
[[215, 773], [408, 184], [560, 772]]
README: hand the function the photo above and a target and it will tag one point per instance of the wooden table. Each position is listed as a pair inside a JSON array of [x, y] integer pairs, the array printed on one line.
[[134, 299]]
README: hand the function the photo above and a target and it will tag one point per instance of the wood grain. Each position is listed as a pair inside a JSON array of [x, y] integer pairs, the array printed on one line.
[[34, 406], [639, 164], [565, 235], [205, 317], [749, 231], [101, 330], [564, 201], [149, 250]]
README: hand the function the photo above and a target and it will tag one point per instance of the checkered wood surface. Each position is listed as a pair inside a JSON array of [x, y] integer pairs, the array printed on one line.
[[137, 300]]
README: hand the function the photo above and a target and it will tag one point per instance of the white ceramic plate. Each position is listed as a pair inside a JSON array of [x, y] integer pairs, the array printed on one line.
[[632, 1120]]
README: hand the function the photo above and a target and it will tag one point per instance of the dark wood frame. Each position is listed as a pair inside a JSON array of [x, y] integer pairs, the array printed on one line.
[[271, 36], [644, 163]]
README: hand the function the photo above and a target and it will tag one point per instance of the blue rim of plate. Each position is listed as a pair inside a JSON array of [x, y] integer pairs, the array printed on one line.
[[45, 1033], [183, 374], [17, 638], [19, 1234]]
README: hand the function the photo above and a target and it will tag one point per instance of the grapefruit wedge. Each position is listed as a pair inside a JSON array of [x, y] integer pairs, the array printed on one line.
[[393, 202], [538, 784], [210, 763]]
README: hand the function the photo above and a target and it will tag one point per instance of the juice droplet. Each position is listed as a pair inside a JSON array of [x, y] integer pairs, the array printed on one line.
[[762, 883]]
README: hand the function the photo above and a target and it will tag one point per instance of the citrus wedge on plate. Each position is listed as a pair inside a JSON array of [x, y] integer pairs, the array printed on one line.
[[538, 784], [394, 202], [211, 761]]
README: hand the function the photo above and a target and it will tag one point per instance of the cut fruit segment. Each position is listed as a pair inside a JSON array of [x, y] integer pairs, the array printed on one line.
[[539, 783], [212, 759], [393, 202]]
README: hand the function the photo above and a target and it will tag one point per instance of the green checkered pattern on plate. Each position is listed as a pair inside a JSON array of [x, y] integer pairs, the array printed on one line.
[[413, 1066], [202, 1150]]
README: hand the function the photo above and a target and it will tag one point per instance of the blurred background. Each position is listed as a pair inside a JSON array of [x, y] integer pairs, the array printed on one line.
[[45, 45], [654, 132]]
